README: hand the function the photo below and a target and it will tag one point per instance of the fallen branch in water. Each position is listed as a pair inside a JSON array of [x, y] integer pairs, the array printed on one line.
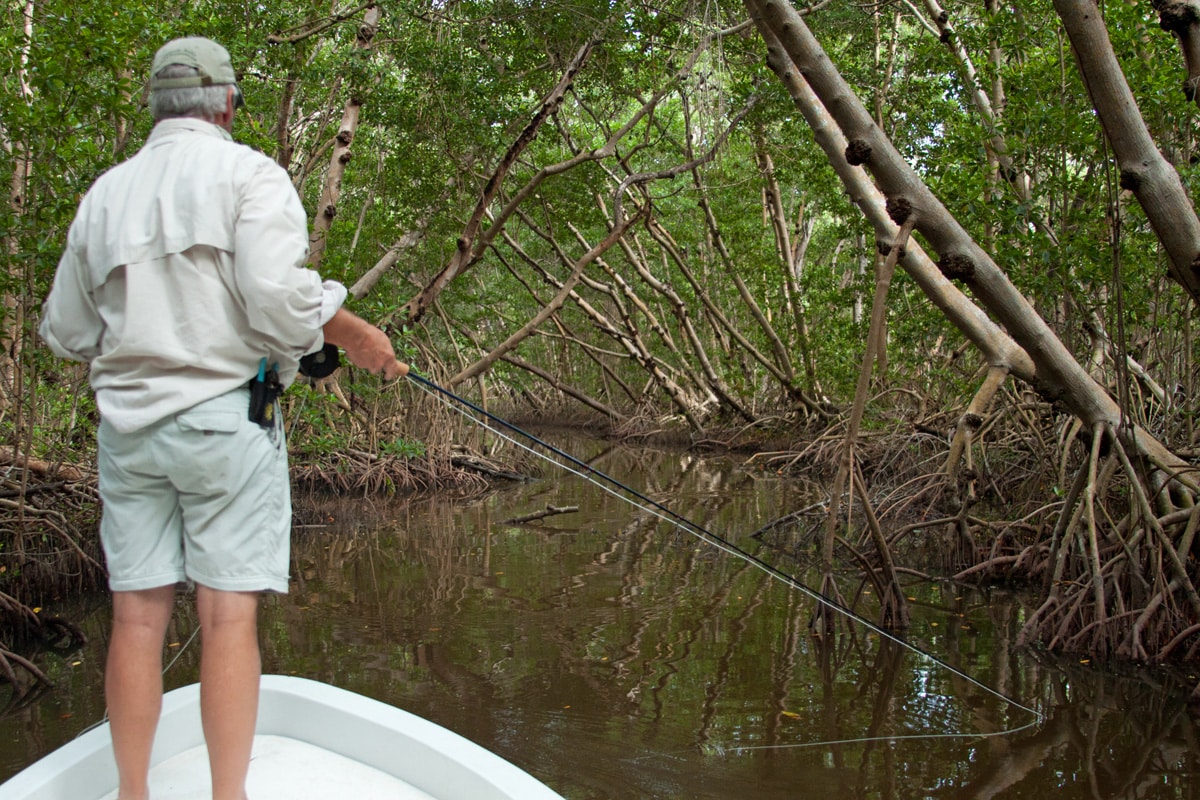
[[548, 511]]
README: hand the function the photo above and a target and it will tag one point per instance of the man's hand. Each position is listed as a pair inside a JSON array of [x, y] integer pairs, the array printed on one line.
[[397, 369], [365, 345]]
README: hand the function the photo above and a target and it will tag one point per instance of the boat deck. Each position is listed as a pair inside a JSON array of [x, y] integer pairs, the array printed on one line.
[[281, 768]]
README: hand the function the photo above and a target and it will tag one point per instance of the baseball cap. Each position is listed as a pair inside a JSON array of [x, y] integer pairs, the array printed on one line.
[[210, 59]]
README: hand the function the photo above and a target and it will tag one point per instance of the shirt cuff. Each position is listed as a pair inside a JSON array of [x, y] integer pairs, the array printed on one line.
[[333, 295]]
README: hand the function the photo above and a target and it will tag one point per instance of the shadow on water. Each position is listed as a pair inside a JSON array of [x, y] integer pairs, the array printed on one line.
[[614, 656]]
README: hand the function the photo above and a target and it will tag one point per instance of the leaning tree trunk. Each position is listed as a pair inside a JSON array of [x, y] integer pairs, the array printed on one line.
[[1059, 375], [470, 246], [18, 200], [619, 226], [327, 206], [332, 190], [1144, 170], [893, 611], [791, 257], [684, 319], [989, 112], [998, 349], [721, 320], [1000, 352], [706, 378], [1182, 18], [782, 358], [1097, 565]]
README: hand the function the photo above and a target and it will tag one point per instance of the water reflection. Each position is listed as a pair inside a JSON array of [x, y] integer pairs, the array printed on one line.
[[615, 656]]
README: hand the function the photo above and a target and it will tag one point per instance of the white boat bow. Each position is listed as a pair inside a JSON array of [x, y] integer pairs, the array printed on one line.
[[312, 740]]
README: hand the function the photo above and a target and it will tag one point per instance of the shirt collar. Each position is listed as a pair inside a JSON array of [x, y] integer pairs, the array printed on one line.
[[176, 125]]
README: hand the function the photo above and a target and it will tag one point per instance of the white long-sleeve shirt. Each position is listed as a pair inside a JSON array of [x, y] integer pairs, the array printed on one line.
[[184, 267]]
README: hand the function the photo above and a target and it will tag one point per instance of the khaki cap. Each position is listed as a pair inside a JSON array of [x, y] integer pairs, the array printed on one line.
[[205, 55]]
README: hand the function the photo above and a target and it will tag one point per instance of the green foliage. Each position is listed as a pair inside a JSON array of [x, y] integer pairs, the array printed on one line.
[[403, 448]]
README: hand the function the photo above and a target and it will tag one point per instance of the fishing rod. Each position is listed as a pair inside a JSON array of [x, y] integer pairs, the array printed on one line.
[[625, 492]]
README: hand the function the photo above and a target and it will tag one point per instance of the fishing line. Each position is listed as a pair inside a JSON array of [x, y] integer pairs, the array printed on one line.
[[653, 507]]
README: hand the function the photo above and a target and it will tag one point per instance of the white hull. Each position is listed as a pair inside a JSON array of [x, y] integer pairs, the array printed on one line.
[[313, 740]]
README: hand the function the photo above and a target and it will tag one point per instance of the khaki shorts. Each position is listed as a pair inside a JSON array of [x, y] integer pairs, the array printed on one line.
[[200, 496]]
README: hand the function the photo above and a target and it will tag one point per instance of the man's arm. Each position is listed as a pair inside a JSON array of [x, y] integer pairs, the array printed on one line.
[[366, 346], [284, 301], [71, 323]]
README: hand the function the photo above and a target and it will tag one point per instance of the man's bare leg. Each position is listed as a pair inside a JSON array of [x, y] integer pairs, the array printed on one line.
[[230, 667], [133, 682]]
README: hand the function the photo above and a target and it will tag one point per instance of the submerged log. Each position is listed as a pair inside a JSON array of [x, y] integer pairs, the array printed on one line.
[[548, 511]]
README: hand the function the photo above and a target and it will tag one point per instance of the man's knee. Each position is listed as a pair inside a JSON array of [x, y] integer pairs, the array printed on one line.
[[146, 609], [220, 608]]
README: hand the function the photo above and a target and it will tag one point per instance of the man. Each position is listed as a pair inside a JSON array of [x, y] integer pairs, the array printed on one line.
[[182, 280]]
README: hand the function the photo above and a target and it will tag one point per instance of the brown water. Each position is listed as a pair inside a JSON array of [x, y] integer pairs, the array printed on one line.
[[614, 656]]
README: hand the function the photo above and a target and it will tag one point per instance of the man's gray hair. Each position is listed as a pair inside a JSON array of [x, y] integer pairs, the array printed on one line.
[[203, 102]]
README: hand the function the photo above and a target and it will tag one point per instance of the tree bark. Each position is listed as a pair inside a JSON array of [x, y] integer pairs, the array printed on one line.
[[327, 207], [22, 170], [790, 257], [363, 286], [1182, 19], [1144, 169]]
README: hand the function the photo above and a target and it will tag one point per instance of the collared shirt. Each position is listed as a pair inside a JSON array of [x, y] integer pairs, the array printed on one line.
[[183, 268]]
